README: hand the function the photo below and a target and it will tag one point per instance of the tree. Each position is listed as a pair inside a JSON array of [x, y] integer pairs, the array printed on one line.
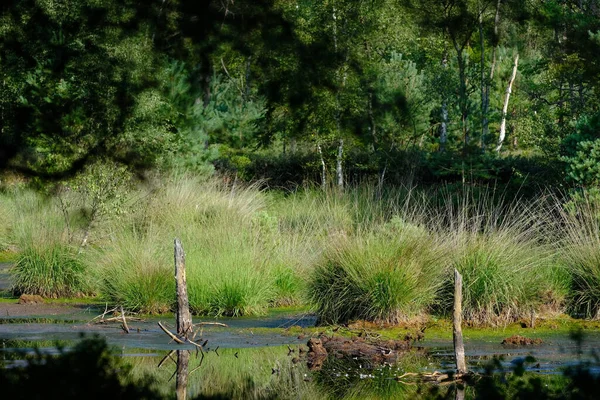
[[79, 81]]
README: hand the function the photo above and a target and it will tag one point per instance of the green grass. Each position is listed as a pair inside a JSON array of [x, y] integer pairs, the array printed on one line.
[[228, 254], [135, 271], [378, 254], [50, 270], [387, 278], [509, 269], [580, 255]]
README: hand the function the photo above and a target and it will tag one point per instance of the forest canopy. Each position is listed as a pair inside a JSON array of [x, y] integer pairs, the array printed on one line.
[[330, 91]]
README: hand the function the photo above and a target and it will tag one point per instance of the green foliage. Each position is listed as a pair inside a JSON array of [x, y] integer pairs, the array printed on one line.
[[580, 253], [79, 79], [584, 167], [135, 271]]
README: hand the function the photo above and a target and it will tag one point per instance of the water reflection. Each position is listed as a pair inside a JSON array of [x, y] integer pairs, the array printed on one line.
[[275, 373]]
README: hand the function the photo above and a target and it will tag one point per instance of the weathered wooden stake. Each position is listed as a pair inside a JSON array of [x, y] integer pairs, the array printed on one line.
[[459, 347], [184, 319]]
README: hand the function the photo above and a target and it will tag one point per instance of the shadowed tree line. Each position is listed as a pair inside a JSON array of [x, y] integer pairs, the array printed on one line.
[[333, 91]]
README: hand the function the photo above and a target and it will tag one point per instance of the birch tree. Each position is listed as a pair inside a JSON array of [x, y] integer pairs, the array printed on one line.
[[502, 133]]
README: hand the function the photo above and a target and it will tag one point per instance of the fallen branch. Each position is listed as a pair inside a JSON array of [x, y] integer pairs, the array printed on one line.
[[119, 319], [212, 323], [106, 311], [171, 335], [125, 327], [435, 377], [178, 340]]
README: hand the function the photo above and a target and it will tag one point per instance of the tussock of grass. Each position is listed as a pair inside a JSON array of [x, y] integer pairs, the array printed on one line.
[[47, 264], [580, 255], [508, 272], [503, 279], [136, 270], [49, 270], [376, 278]]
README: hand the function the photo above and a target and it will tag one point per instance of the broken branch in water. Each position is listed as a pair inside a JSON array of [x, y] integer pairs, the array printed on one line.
[[171, 335], [177, 339], [435, 377], [211, 323], [106, 311], [125, 327]]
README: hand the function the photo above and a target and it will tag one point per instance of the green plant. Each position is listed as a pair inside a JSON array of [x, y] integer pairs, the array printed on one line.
[[46, 263], [580, 254], [50, 269], [376, 278], [135, 271], [508, 270]]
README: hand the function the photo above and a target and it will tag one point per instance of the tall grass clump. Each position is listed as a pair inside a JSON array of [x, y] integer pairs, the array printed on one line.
[[135, 270], [5, 221], [378, 277], [229, 251], [580, 254], [508, 272], [229, 271], [47, 263]]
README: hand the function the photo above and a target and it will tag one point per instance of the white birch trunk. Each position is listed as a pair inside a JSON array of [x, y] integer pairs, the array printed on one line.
[[444, 125], [339, 172], [505, 107], [323, 169]]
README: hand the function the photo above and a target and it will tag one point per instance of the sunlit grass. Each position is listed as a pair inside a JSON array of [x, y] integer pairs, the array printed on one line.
[[580, 255]]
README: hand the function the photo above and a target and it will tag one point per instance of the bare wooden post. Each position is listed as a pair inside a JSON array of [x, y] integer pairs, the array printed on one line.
[[184, 320], [459, 347]]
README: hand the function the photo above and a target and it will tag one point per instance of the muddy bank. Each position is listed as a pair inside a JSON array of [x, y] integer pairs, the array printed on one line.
[[10, 310], [374, 351]]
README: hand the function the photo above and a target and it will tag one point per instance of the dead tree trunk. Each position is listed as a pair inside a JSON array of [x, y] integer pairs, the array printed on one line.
[[485, 130], [459, 347], [505, 107], [184, 319]]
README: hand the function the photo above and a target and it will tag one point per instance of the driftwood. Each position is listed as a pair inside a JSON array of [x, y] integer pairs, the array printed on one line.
[[436, 377], [170, 334], [211, 323], [123, 318], [106, 311]]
